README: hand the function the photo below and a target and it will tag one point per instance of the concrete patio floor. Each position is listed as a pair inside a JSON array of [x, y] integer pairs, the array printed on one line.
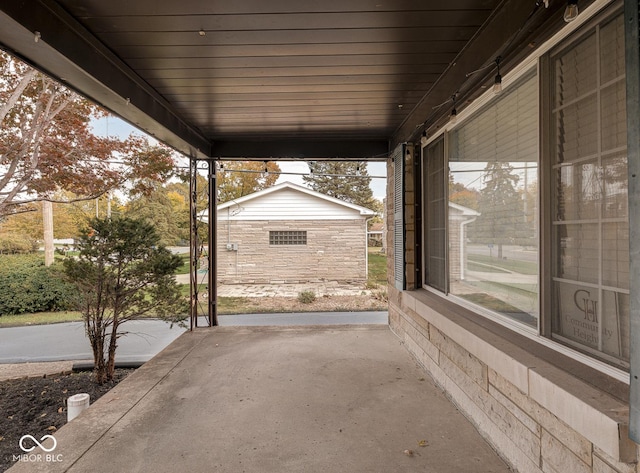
[[301, 399]]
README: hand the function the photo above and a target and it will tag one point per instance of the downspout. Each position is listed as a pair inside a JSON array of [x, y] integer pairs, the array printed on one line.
[[462, 245], [366, 248]]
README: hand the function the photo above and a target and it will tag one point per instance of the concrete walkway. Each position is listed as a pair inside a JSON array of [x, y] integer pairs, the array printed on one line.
[[31, 370], [233, 399]]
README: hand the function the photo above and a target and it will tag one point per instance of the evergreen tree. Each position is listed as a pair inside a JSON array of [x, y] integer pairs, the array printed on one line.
[[500, 205], [122, 274], [344, 180]]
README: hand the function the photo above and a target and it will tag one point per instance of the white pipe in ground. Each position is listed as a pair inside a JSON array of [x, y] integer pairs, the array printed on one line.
[[76, 404]]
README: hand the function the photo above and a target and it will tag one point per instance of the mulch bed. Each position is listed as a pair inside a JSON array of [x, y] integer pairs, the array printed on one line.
[[37, 406], [278, 304]]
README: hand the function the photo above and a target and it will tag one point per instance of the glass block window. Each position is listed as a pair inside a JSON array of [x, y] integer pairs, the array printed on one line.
[[287, 237]]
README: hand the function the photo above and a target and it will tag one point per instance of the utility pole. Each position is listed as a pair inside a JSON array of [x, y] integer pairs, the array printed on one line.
[[47, 223]]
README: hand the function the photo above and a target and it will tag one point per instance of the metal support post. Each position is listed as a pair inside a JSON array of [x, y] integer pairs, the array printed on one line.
[[193, 244], [632, 45], [213, 228]]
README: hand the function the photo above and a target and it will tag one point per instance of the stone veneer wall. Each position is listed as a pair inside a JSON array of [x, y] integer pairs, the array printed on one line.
[[335, 251], [539, 417]]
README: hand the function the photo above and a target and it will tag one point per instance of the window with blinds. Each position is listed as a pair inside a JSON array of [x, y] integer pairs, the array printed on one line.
[[435, 207], [590, 252], [493, 203]]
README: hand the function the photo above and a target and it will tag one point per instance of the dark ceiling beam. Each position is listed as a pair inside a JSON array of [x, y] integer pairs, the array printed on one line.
[[68, 52], [508, 26], [301, 149]]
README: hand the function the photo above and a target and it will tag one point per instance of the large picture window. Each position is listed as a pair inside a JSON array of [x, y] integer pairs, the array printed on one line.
[[590, 226], [493, 203], [489, 227]]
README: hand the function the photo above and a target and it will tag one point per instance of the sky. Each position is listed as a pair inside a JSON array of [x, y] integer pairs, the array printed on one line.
[[378, 170], [378, 185]]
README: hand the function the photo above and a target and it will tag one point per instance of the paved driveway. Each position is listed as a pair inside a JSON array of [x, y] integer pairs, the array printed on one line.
[[67, 341]]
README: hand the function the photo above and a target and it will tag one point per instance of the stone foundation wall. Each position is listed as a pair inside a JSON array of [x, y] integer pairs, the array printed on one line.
[[537, 416], [543, 411]]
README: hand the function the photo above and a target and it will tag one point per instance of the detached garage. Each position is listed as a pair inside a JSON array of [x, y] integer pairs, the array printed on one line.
[[290, 234]]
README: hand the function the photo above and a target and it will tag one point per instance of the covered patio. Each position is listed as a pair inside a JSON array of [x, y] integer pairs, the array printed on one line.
[[269, 399], [550, 86]]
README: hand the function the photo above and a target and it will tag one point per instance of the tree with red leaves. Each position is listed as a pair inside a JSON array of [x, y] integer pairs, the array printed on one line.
[[47, 145]]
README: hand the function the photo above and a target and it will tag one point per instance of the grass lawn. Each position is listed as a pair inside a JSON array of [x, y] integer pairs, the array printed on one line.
[[184, 267], [377, 266], [517, 266], [487, 268], [490, 302], [40, 318]]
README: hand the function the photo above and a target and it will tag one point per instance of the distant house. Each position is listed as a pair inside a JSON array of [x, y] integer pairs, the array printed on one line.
[[376, 234], [287, 234], [459, 218]]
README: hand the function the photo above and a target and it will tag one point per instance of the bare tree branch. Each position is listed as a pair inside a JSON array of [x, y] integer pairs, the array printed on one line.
[[17, 93], [18, 212]]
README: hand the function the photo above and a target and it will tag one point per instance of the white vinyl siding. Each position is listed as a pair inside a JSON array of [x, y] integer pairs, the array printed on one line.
[[288, 204]]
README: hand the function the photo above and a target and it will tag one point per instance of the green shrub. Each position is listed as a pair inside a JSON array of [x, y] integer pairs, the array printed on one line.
[[27, 286], [12, 244], [307, 297]]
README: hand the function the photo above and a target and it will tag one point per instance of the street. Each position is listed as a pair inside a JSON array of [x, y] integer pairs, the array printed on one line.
[[67, 341]]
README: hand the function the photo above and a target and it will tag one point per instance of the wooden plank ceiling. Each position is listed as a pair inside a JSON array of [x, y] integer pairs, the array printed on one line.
[[292, 71]]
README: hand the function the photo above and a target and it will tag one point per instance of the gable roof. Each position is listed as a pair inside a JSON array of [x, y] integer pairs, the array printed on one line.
[[462, 210], [291, 187]]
